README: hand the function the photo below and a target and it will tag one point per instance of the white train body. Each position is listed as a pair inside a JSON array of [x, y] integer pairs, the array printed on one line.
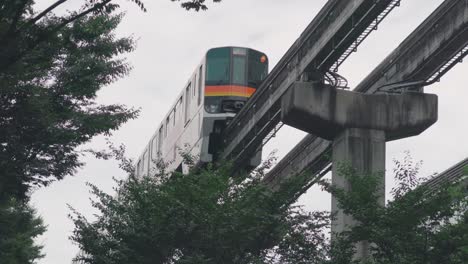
[[215, 92]]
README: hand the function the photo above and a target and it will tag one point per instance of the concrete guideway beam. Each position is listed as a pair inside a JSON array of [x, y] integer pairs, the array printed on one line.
[[455, 174], [335, 28], [442, 35], [326, 112], [359, 126], [425, 51]]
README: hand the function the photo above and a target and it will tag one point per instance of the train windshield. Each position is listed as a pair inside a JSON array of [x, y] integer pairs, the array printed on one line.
[[257, 68], [232, 76], [238, 70], [218, 66]]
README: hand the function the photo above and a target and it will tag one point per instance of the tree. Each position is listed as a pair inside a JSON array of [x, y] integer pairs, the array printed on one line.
[[51, 67], [203, 217], [194, 4], [417, 226], [19, 226], [50, 70], [208, 217]]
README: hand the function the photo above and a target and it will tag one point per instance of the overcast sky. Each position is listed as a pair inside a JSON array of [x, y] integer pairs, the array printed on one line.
[[171, 42]]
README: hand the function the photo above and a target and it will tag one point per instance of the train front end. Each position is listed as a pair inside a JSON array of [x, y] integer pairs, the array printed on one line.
[[232, 76]]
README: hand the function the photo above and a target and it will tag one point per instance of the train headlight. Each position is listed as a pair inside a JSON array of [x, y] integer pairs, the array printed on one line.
[[212, 108]]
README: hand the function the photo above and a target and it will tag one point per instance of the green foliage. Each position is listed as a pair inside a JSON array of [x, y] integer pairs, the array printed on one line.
[[203, 217], [51, 68], [208, 217], [19, 225], [417, 226], [194, 4]]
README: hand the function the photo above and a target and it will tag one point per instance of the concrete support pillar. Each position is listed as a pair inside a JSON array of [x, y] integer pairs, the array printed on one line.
[[364, 151], [359, 125]]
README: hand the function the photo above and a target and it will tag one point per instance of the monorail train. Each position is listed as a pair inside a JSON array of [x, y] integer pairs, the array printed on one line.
[[216, 91]]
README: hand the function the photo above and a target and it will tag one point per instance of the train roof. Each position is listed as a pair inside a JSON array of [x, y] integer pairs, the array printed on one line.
[[224, 47]]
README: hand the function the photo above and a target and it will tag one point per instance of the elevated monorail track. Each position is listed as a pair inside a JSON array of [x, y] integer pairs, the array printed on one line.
[[327, 41], [454, 175], [426, 55]]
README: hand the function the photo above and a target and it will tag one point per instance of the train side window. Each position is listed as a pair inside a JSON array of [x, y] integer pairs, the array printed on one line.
[[160, 139], [145, 162], [166, 127], [172, 117], [187, 101], [139, 167], [194, 81], [200, 84], [175, 115], [179, 104], [154, 148]]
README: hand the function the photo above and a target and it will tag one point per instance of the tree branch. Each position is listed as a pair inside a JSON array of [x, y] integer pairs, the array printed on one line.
[[44, 36], [43, 13], [80, 15]]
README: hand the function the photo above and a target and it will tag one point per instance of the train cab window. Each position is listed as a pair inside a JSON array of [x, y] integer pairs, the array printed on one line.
[[257, 68], [218, 66], [200, 84], [238, 70]]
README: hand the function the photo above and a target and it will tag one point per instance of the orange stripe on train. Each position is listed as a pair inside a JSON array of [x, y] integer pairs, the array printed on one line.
[[229, 90]]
